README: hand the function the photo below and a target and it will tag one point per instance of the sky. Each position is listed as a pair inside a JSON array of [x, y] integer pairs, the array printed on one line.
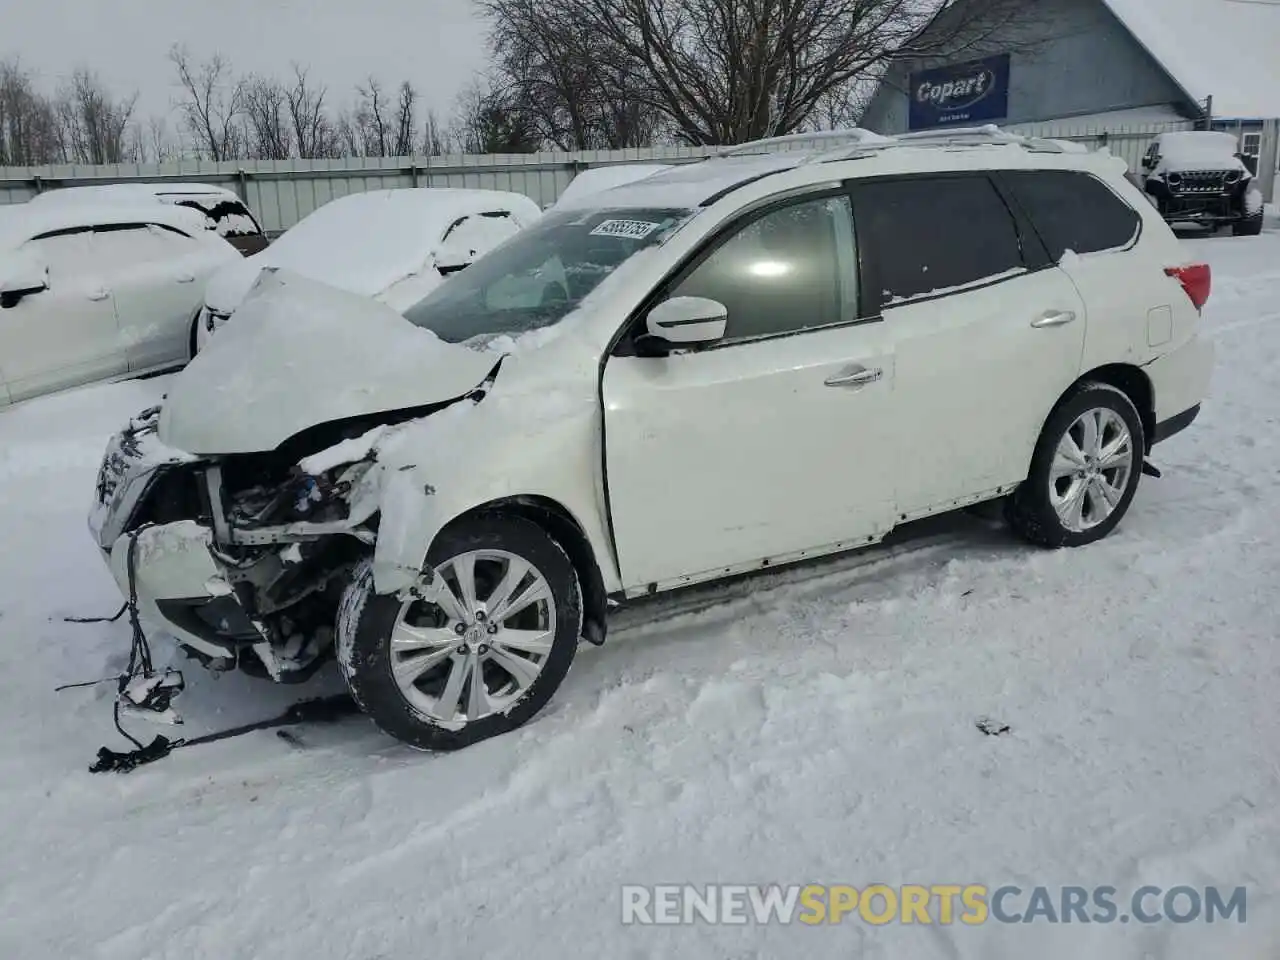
[[437, 44]]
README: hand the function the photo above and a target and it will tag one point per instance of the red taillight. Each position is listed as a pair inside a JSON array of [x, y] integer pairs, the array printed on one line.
[[1196, 280]]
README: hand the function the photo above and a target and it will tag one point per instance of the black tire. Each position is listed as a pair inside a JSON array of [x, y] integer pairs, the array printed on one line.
[[366, 620], [1248, 227], [1030, 511]]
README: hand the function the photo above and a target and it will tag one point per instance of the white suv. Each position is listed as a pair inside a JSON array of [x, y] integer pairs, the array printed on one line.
[[727, 366]]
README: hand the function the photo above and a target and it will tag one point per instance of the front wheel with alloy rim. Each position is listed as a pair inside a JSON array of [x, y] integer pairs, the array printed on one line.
[[480, 645], [1084, 472]]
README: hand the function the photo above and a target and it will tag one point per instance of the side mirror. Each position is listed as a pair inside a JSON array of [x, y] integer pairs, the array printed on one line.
[[687, 320], [452, 259], [21, 277], [1148, 162]]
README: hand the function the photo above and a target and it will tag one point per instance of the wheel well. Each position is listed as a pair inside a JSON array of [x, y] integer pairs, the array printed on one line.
[[1135, 384], [560, 524]]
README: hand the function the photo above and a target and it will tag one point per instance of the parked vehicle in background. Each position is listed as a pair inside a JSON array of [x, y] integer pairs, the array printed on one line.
[[721, 368], [595, 179], [96, 292], [230, 218], [1200, 176], [392, 245]]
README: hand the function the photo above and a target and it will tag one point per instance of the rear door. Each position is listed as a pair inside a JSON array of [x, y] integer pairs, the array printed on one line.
[[1094, 234], [986, 331], [66, 335]]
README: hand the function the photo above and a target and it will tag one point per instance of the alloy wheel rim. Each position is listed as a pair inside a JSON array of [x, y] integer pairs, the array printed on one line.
[[471, 643], [1091, 468]]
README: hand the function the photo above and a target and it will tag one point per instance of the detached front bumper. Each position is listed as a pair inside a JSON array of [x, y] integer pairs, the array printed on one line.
[[149, 492]]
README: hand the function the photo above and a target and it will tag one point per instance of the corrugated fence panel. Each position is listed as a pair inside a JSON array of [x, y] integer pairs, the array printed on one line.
[[282, 192]]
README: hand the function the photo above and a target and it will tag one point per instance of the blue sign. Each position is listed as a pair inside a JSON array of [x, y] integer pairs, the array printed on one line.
[[961, 94]]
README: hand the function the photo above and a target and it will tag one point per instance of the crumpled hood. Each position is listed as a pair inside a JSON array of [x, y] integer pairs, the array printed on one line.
[[302, 353]]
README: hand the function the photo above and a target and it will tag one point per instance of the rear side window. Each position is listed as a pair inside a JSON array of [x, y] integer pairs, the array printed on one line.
[[1074, 211], [933, 236]]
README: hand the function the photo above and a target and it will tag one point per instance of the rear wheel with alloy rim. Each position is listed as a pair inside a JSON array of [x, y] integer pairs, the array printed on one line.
[[1084, 472], [480, 646]]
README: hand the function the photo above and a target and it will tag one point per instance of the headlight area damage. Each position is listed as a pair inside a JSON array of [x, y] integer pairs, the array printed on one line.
[[245, 557]]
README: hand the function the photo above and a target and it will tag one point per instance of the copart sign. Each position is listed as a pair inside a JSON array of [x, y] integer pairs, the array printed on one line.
[[962, 93]]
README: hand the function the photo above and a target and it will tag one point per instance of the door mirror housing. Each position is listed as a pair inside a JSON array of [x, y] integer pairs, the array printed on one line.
[[687, 320], [1149, 162], [23, 275]]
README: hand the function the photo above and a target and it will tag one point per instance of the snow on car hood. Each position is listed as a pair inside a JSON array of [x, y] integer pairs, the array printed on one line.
[[307, 354]]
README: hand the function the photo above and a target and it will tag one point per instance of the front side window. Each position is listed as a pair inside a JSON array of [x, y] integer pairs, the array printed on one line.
[[1074, 211], [542, 274], [124, 247], [935, 236], [791, 269]]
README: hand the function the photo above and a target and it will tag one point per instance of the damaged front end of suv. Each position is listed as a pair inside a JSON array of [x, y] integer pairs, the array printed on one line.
[[271, 539], [237, 510]]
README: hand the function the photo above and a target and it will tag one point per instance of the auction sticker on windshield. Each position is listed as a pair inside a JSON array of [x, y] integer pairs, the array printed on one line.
[[630, 229]]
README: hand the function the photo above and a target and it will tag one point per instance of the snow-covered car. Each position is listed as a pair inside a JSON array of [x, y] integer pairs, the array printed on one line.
[[392, 245], [595, 179], [729, 366], [1199, 176], [226, 212], [98, 292]]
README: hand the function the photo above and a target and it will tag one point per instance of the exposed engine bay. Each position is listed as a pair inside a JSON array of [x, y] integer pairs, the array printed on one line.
[[284, 529]]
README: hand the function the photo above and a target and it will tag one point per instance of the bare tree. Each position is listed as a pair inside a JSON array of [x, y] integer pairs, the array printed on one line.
[[159, 146], [268, 132], [435, 139], [210, 104], [580, 94], [491, 120], [726, 71], [92, 124], [28, 121], [314, 134], [406, 132], [372, 120]]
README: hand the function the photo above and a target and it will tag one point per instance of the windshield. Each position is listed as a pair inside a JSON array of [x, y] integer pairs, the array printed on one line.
[[539, 277]]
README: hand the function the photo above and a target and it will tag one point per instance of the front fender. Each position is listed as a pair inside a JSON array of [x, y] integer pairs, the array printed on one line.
[[473, 453]]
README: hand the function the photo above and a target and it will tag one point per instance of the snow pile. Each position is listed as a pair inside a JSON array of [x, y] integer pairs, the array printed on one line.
[[795, 730]]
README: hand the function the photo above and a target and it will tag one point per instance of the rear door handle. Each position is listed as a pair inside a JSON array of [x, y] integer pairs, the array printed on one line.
[[1054, 318], [186, 278], [99, 294], [855, 376]]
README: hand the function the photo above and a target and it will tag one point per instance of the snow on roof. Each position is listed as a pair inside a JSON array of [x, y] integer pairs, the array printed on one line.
[[688, 185], [1227, 49], [375, 238], [20, 222], [606, 178], [132, 193]]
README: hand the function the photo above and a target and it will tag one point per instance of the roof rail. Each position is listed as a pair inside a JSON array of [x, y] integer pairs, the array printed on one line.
[[768, 144], [986, 136]]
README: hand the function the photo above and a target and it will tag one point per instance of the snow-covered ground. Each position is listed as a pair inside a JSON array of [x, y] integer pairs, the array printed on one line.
[[815, 731]]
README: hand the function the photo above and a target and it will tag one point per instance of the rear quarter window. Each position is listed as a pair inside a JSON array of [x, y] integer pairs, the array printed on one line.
[[1074, 211]]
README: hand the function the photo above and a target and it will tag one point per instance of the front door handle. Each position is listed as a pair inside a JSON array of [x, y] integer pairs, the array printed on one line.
[[186, 278], [856, 376], [1054, 318], [99, 294]]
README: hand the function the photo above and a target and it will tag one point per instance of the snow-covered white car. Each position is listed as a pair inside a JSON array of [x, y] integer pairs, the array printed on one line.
[[394, 246], [595, 179], [1198, 176], [97, 292], [725, 367], [226, 212]]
